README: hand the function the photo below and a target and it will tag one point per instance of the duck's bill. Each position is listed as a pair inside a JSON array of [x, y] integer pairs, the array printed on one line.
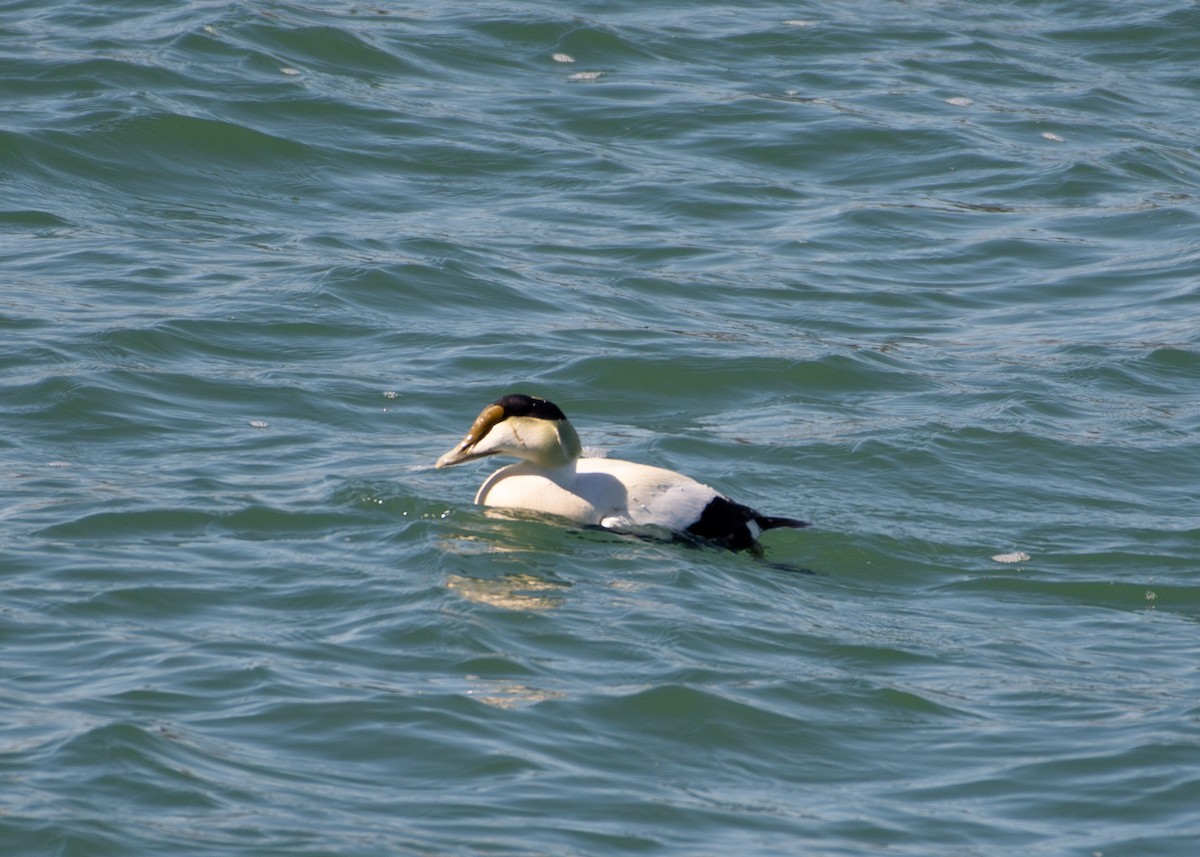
[[461, 453], [466, 449]]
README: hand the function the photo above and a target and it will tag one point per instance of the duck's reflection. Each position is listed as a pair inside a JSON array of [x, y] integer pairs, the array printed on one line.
[[510, 592]]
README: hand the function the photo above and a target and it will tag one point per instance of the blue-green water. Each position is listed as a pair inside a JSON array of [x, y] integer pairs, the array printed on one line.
[[924, 273]]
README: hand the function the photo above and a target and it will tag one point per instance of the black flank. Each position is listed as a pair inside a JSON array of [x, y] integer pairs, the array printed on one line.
[[726, 523]]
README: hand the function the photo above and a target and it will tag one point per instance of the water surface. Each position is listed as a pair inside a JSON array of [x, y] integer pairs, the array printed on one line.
[[922, 273]]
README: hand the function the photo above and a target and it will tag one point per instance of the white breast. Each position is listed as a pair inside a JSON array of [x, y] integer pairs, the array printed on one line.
[[605, 491]]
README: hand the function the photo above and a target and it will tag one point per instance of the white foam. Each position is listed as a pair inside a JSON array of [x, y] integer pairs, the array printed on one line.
[[1015, 556]]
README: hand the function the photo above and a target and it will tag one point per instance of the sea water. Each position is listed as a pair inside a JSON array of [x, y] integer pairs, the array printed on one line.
[[923, 273]]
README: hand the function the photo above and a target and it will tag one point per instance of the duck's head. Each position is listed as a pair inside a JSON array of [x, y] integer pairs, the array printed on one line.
[[521, 426]]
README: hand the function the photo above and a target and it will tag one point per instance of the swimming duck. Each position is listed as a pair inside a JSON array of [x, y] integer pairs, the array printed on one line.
[[553, 478]]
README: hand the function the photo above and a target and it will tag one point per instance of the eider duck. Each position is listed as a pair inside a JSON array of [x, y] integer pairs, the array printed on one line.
[[553, 478]]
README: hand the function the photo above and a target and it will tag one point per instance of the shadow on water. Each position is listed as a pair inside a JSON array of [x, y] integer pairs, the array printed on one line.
[[506, 541], [697, 543]]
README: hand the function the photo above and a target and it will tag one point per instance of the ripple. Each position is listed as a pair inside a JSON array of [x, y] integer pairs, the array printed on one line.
[[928, 284]]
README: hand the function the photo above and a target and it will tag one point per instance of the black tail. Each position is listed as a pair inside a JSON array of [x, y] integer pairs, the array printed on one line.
[[769, 523]]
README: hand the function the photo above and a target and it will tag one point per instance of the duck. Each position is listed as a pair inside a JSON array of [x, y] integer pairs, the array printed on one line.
[[553, 477]]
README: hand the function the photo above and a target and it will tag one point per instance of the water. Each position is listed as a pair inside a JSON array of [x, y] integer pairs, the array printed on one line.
[[922, 273]]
